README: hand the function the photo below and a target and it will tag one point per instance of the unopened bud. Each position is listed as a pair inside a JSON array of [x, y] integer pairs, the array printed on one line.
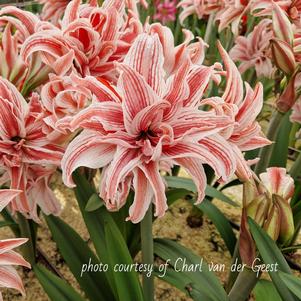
[[258, 208], [288, 98], [282, 26], [272, 224], [287, 227], [283, 56]]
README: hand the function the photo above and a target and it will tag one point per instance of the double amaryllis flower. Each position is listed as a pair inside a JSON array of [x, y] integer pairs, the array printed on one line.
[[254, 50], [148, 122], [8, 258], [27, 157], [89, 40]]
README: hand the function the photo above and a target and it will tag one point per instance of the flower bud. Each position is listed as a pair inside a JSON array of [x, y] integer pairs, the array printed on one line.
[[288, 98], [272, 224], [282, 26], [250, 192], [258, 208], [283, 56], [287, 227]]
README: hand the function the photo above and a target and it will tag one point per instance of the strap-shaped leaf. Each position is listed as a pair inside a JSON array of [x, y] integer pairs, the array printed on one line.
[[202, 279], [271, 255], [292, 282], [55, 287], [266, 291], [76, 252], [185, 183], [221, 223], [126, 282], [99, 222]]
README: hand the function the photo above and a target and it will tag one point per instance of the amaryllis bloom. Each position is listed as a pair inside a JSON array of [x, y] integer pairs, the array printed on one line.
[[246, 133], [165, 11], [23, 146], [8, 258], [254, 50], [16, 26], [201, 8], [277, 181], [90, 40], [145, 123]]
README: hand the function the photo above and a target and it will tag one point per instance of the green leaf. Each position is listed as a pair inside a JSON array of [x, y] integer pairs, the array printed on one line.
[[188, 184], [271, 255], [291, 248], [221, 223], [76, 253], [55, 287], [292, 282], [280, 148], [93, 203], [203, 280], [127, 283], [97, 223], [175, 194], [266, 291], [8, 224]]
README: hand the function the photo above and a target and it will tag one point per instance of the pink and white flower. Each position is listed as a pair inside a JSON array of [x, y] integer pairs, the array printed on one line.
[[90, 40], [165, 11], [254, 50], [148, 120], [8, 258], [24, 147]]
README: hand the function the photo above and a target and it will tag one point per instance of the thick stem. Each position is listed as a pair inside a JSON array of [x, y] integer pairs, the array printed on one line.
[[243, 285], [266, 152], [147, 247], [296, 168], [233, 274], [28, 249]]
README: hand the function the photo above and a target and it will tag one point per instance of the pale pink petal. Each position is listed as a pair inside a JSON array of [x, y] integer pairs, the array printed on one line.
[[6, 196]]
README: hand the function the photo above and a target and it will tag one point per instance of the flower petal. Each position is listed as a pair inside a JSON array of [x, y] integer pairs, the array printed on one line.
[[88, 150]]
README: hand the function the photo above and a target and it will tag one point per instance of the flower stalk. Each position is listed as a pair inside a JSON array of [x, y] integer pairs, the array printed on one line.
[[147, 248], [243, 285], [266, 152], [28, 249], [296, 168]]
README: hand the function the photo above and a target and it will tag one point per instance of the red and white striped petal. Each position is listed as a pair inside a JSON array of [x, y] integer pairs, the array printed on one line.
[[6, 196], [13, 258], [137, 94], [88, 150], [195, 169], [234, 88], [9, 244], [143, 197], [10, 278], [146, 57], [151, 171]]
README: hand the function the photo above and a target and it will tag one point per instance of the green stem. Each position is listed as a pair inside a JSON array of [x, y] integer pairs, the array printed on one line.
[[209, 28], [147, 248], [7, 217], [233, 275], [296, 168], [243, 285], [28, 249], [266, 152]]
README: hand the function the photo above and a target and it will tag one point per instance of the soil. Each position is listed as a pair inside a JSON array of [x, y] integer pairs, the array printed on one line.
[[200, 236]]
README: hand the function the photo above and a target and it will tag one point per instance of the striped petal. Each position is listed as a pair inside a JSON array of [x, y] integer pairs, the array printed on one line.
[[88, 150], [143, 197]]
